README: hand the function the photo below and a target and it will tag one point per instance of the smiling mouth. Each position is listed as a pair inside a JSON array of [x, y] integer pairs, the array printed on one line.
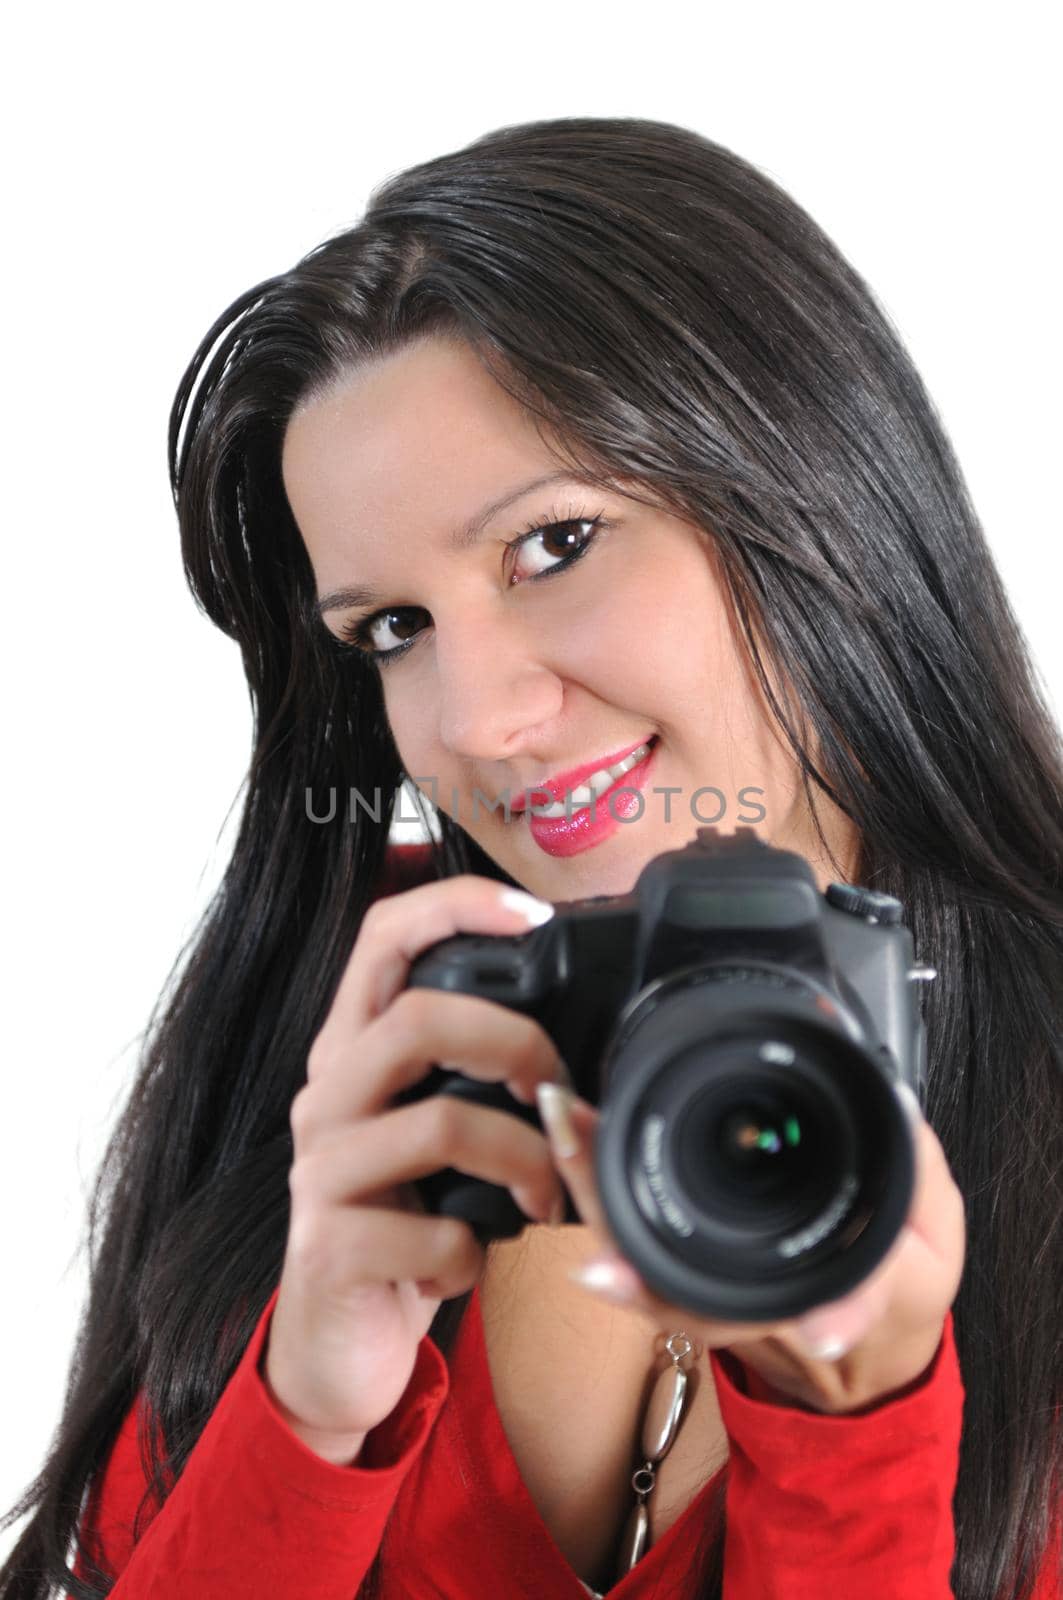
[[586, 792]]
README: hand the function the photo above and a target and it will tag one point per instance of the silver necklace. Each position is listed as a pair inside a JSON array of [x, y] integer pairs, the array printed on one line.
[[661, 1421]]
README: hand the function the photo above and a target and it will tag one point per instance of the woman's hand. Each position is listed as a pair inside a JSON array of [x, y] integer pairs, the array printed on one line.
[[365, 1268], [840, 1358]]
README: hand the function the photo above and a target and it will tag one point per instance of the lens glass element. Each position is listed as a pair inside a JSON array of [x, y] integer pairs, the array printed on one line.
[[760, 1139]]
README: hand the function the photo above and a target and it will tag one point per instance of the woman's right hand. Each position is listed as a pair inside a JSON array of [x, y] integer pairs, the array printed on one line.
[[365, 1268]]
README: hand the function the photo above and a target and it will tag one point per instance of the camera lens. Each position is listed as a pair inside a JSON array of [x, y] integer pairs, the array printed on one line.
[[762, 1142], [758, 1143], [752, 1158]]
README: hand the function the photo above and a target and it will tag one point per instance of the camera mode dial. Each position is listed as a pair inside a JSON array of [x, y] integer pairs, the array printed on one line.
[[869, 903]]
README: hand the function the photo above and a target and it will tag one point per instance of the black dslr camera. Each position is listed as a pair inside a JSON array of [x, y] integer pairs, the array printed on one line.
[[742, 1036]]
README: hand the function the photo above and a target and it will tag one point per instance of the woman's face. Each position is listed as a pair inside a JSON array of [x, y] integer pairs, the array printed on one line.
[[520, 669]]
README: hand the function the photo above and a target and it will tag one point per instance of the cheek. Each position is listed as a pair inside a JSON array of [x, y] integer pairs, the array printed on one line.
[[611, 640], [660, 636], [412, 720]]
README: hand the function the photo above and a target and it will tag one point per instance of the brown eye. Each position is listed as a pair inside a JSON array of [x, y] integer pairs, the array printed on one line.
[[553, 545], [386, 630]]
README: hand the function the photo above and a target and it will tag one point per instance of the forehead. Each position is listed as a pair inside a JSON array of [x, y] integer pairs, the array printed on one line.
[[414, 439]]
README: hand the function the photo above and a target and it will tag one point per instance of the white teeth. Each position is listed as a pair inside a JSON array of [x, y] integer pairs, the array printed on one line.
[[592, 787]]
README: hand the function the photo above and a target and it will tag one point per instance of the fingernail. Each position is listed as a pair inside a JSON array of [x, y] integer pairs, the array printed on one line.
[[823, 1346], [554, 1103], [826, 1337], [609, 1277], [535, 912]]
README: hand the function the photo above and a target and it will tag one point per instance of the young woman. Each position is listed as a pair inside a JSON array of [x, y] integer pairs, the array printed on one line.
[[583, 456]]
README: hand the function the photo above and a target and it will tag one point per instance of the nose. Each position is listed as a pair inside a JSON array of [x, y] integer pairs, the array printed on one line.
[[494, 689]]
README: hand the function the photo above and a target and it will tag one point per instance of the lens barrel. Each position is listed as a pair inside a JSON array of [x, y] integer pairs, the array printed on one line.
[[753, 1157]]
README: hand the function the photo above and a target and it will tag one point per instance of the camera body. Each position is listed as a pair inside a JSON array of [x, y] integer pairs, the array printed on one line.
[[742, 1035]]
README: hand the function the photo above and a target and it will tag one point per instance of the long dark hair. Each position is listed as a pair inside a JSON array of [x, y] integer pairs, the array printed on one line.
[[668, 314]]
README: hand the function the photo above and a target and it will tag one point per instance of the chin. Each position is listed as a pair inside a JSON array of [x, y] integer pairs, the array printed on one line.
[[581, 877]]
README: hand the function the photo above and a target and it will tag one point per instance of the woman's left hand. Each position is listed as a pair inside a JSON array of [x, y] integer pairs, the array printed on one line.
[[839, 1358]]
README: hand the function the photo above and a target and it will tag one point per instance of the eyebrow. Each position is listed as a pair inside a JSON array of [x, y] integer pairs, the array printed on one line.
[[460, 539]]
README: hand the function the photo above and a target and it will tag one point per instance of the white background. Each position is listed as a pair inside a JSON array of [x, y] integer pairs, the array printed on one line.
[[159, 163]]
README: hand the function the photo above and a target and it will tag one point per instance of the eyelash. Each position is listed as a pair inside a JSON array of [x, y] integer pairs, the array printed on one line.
[[355, 635]]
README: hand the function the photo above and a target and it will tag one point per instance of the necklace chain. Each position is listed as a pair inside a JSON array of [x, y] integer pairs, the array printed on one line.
[[661, 1421]]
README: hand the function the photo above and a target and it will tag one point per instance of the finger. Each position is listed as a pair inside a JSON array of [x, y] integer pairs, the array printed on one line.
[[570, 1125], [400, 927], [414, 1141], [937, 1213], [466, 1033], [920, 1273], [341, 1250]]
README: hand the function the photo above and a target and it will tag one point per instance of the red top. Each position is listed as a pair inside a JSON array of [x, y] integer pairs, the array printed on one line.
[[863, 1501], [815, 1504]]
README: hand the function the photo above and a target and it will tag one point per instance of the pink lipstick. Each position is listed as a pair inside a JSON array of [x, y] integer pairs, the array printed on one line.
[[587, 805]]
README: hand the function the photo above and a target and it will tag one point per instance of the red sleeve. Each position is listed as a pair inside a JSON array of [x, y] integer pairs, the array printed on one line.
[[842, 1505], [255, 1511]]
